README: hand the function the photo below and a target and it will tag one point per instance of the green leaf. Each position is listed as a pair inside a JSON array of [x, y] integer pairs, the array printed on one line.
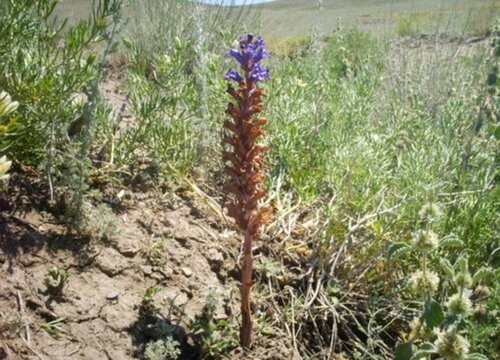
[[398, 249], [404, 351], [451, 241], [447, 267], [462, 264], [452, 320], [433, 315], [127, 43], [476, 356], [424, 350], [496, 132], [427, 346], [482, 274]]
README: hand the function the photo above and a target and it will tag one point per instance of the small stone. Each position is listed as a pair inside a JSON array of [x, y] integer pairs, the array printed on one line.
[[184, 242], [112, 295], [187, 271], [147, 269]]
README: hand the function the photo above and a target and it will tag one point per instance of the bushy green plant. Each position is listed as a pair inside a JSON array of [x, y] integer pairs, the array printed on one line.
[[408, 26], [98, 221], [54, 71], [47, 65]]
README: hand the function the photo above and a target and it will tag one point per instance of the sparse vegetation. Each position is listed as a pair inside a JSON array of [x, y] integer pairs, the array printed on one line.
[[165, 349], [55, 281], [216, 337], [381, 180]]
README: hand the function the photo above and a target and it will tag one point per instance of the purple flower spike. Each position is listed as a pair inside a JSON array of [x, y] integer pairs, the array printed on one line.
[[249, 56], [233, 75]]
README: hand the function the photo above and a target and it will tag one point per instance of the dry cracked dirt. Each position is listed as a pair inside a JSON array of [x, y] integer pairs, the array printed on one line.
[[172, 244]]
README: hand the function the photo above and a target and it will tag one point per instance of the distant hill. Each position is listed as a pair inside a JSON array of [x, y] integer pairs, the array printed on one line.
[[297, 17]]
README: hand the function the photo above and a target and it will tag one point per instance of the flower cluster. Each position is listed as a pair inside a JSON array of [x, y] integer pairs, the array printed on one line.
[[427, 282], [459, 304], [425, 240], [450, 345], [417, 328], [249, 56], [245, 167], [430, 212], [7, 106]]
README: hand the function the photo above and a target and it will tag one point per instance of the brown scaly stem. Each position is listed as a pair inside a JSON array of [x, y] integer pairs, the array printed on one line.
[[246, 175], [245, 167], [246, 286]]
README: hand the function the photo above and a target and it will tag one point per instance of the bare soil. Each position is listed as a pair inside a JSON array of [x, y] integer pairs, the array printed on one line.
[[165, 241]]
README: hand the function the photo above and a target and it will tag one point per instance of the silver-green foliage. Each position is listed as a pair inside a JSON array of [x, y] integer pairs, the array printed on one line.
[[174, 50], [163, 349]]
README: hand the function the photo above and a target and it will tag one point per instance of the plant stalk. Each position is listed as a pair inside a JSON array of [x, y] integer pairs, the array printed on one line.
[[246, 287]]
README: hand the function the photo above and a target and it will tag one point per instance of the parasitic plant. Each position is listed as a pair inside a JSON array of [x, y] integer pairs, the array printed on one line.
[[245, 167]]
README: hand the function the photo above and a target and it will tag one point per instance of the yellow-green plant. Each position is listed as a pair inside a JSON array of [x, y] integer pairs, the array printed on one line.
[[55, 281], [4, 167], [7, 107]]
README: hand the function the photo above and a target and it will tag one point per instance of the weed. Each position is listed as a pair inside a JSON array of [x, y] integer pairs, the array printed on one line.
[[54, 328], [245, 161], [97, 221], [215, 337], [435, 331], [147, 301], [55, 281]]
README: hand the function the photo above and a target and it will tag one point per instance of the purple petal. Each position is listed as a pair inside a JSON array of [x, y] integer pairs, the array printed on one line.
[[233, 75], [259, 42], [261, 53], [235, 54], [259, 74]]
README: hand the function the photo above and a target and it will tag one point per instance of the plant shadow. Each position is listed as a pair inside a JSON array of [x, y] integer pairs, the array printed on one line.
[[152, 325]]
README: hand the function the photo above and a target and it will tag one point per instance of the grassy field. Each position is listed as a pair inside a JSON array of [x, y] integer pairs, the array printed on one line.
[[288, 18], [381, 176]]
